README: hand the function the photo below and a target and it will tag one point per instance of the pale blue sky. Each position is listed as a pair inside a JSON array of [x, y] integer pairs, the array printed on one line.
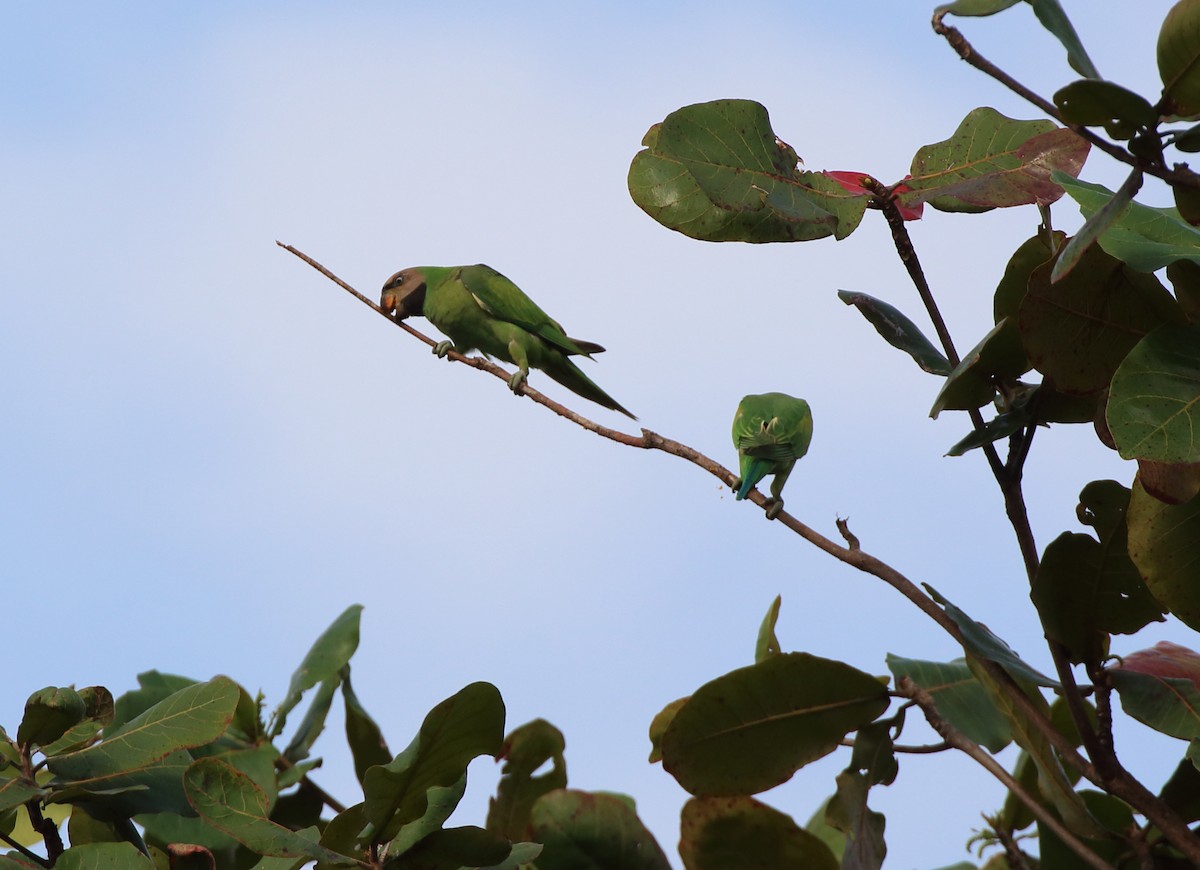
[[211, 451]]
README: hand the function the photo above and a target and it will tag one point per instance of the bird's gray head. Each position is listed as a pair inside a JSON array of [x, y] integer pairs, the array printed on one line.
[[403, 294]]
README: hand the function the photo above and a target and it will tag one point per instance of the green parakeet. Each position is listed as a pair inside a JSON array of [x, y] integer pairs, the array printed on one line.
[[480, 309], [770, 431]]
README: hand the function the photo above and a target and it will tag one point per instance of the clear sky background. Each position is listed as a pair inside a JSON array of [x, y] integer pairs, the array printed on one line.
[[209, 451]]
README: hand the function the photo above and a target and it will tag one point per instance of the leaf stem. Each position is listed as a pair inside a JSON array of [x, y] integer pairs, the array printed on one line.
[[32, 856]]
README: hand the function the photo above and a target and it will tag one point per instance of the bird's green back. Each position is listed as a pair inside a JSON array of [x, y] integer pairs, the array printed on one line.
[[772, 426], [504, 300]]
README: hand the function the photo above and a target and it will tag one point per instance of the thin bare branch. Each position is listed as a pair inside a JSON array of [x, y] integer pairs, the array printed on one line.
[[1179, 174], [964, 744]]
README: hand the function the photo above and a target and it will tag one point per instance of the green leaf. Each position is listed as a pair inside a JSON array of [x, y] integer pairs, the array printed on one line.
[[993, 162], [231, 802], [313, 723], [976, 7], [960, 698], [727, 832], [526, 750], [1032, 253], [998, 357], [863, 827], [1097, 103], [1164, 543], [49, 712], [1097, 224], [452, 848], [1078, 330], [16, 791], [754, 727], [1182, 791], [441, 802], [103, 856], [154, 687], [462, 727], [717, 172], [1082, 594], [1050, 13], [1144, 237], [329, 654], [1166, 704], [898, 331], [1178, 53], [768, 643], [164, 828], [1184, 276], [1087, 589], [592, 829], [1154, 403], [1115, 817], [658, 727], [362, 733], [979, 640], [148, 751], [874, 753], [1001, 426]]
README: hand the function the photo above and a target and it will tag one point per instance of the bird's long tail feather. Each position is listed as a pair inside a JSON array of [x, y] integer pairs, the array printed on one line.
[[570, 376]]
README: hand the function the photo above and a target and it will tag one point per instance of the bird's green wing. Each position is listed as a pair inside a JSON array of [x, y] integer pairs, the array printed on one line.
[[504, 300]]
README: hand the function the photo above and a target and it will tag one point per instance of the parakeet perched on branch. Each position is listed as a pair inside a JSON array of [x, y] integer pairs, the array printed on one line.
[[770, 431], [480, 309]]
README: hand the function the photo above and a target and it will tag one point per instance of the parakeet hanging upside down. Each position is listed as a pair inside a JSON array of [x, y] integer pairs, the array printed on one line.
[[770, 431], [480, 309]]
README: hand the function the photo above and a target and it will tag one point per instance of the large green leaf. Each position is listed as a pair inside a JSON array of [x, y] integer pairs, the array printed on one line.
[[1144, 237], [49, 713], [998, 357], [153, 686], [1164, 543], [362, 733], [960, 698], [526, 751], [164, 828], [1179, 59], [1116, 819], [324, 661], [1078, 330], [1096, 103], [1031, 253], [863, 827], [1097, 225], [752, 728], [717, 172], [1087, 589], [584, 830], [979, 640], [103, 856], [231, 802], [454, 848], [720, 833], [992, 162], [313, 723], [1154, 403], [466, 725], [440, 804], [148, 750], [898, 331], [17, 790], [1167, 704]]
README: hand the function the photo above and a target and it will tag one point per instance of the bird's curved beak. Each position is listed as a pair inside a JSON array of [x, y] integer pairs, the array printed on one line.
[[387, 302]]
